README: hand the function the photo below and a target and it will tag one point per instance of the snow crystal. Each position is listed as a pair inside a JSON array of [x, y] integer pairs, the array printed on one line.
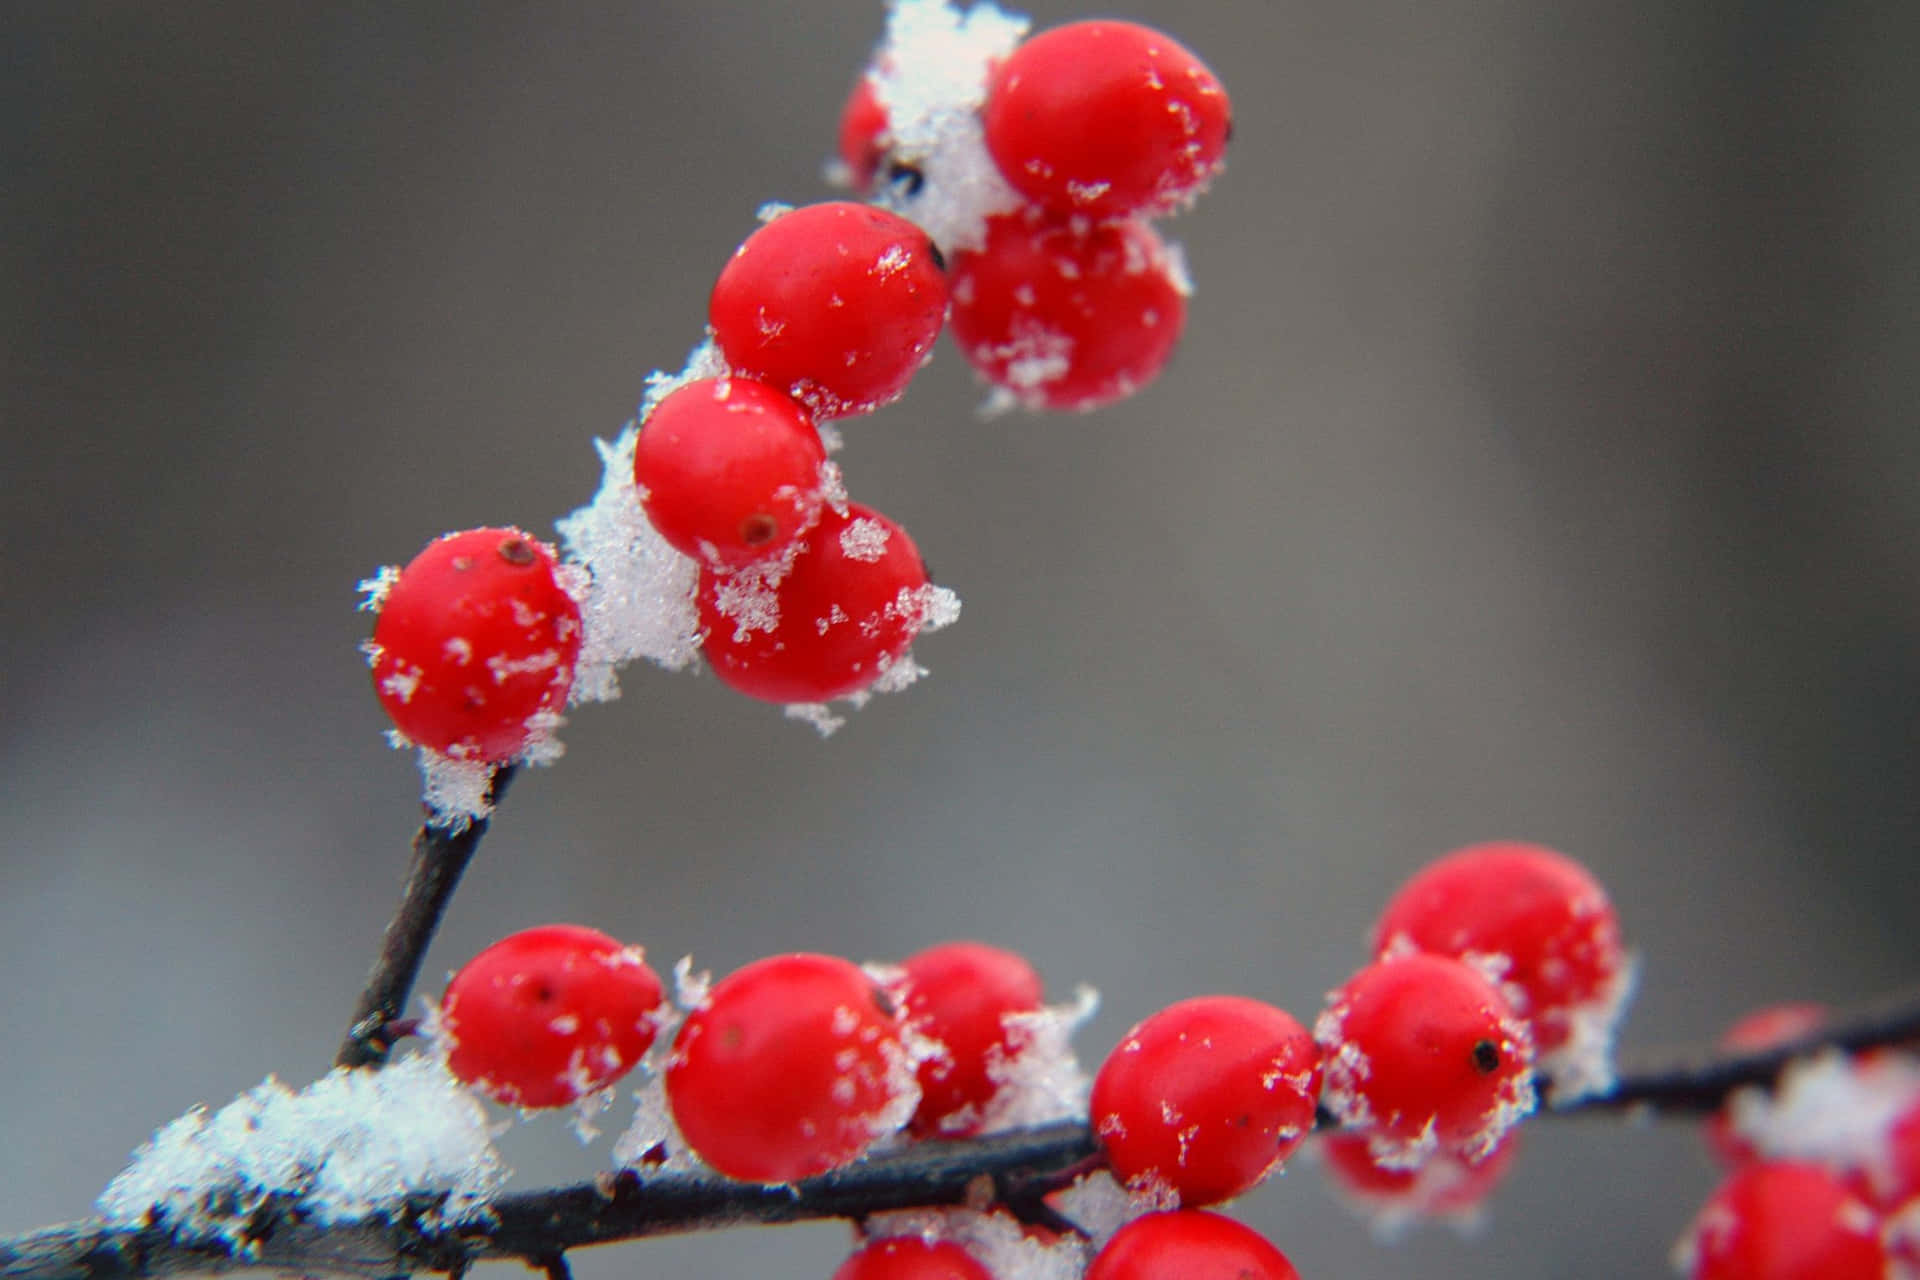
[[995, 1240], [374, 590], [454, 791], [639, 600], [1038, 1077], [819, 715], [1100, 1206], [653, 1140], [865, 540], [930, 77], [1830, 1108], [354, 1144], [690, 988], [1584, 1064]]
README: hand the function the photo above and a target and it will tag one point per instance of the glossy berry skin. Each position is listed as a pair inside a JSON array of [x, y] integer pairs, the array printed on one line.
[[911, 1258], [837, 304], [1784, 1221], [862, 140], [729, 471], [1189, 1244], [959, 994], [792, 1067], [1206, 1098], [549, 1015], [1064, 316], [1762, 1029], [849, 606], [1442, 1187], [476, 644], [1105, 119], [1423, 1054], [1538, 916]]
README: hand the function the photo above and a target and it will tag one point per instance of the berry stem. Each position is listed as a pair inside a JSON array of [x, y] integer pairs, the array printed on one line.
[[441, 853]]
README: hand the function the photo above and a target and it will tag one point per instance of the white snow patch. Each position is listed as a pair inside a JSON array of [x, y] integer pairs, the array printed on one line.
[[994, 1240], [1038, 1078], [1831, 1109], [930, 77], [354, 1144]]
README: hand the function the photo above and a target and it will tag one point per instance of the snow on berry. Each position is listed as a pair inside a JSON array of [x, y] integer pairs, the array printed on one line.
[[1103, 119], [1193, 1245], [958, 995], [1845, 1112], [730, 471], [1783, 1221], [929, 78], [1542, 926], [1762, 1029], [911, 1258], [1423, 1054], [1206, 1098], [1039, 1079], [1062, 315], [474, 649], [793, 1066], [354, 1144], [836, 304], [1006, 1248], [1442, 1188], [832, 619], [549, 1015]]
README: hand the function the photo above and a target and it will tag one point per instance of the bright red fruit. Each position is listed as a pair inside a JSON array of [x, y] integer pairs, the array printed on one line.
[[1538, 919], [1206, 1097], [729, 470], [792, 1067], [1066, 316], [1423, 1054], [863, 129], [549, 1015], [846, 609], [1761, 1029], [476, 644], [911, 1258], [1783, 1221], [1106, 118], [1442, 1187], [837, 304], [1189, 1244], [959, 993]]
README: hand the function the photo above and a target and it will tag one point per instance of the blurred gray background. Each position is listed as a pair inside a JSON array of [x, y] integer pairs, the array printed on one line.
[[1540, 461]]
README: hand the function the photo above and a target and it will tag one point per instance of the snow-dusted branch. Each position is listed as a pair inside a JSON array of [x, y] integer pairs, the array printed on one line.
[[538, 1227], [441, 853]]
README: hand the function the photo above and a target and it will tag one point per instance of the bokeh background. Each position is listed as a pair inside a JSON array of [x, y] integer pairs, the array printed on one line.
[[1541, 461]]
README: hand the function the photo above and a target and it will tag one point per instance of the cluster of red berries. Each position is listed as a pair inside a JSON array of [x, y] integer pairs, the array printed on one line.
[[1073, 301], [1823, 1175], [797, 1064]]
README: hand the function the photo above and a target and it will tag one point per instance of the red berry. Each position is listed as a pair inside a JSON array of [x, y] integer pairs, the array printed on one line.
[[1189, 1244], [729, 471], [1896, 1181], [911, 1258], [1065, 316], [863, 130], [959, 994], [792, 1067], [1423, 1054], [549, 1015], [1782, 1221], [836, 303], [849, 606], [1443, 1186], [476, 644], [1106, 118], [1538, 919], [1206, 1097], [1762, 1029]]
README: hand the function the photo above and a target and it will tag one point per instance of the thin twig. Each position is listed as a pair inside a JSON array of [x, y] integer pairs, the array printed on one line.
[[440, 855]]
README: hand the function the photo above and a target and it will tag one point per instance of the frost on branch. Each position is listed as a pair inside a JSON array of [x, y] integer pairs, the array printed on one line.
[[352, 1144]]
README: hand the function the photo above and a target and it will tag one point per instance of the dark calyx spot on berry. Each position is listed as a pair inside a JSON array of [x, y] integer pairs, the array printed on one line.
[[516, 551], [905, 179], [758, 529], [1486, 1057], [883, 1002]]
